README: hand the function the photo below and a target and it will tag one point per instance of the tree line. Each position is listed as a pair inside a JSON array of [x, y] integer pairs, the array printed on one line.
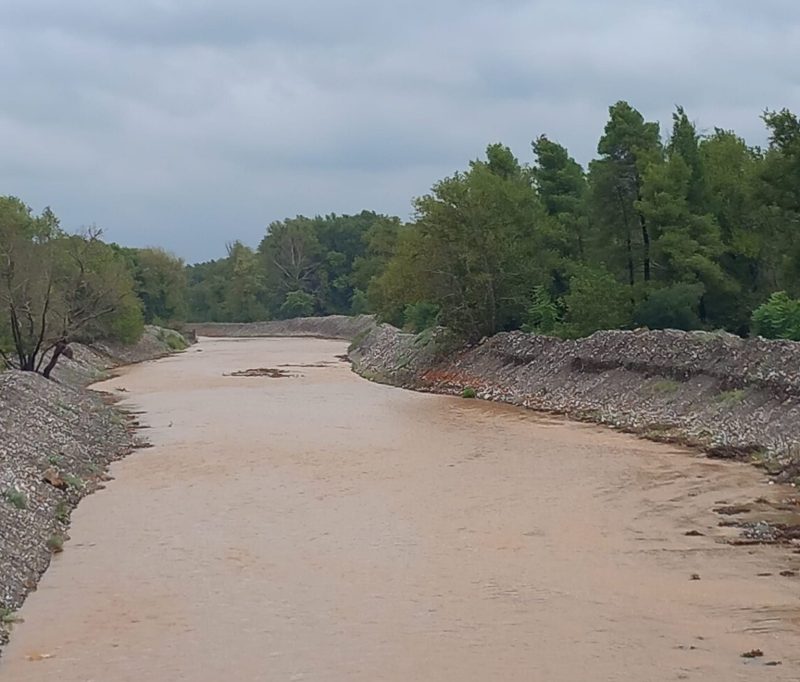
[[664, 229], [683, 230]]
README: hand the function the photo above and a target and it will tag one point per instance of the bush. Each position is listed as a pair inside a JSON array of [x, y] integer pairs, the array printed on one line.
[[418, 317], [596, 300], [16, 498], [55, 543], [359, 303], [778, 318], [127, 324], [469, 393], [673, 307], [543, 314], [297, 304]]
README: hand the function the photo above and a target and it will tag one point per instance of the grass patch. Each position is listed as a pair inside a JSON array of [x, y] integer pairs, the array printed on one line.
[[55, 460], [730, 398], [357, 340], [55, 543], [469, 393], [174, 341], [62, 512], [9, 617], [16, 498], [74, 482], [666, 386]]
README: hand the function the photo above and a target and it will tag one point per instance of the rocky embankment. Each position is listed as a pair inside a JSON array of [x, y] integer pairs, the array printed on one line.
[[331, 327], [733, 397], [56, 442]]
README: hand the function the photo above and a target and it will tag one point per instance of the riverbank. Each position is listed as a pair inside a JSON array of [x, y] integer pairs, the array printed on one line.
[[729, 397], [733, 398], [56, 441], [317, 526]]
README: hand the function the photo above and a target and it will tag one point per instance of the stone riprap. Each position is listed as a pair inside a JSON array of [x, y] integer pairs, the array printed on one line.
[[732, 397]]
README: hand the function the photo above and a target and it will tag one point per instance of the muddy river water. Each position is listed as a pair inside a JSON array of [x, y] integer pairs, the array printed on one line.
[[321, 527]]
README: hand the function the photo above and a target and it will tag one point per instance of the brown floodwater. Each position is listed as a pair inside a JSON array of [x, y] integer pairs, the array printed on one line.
[[320, 527]]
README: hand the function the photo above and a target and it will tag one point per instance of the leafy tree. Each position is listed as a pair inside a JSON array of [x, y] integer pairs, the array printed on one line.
[[544, 314], [596, 300], [475, 250], [56, 289], [778, 318], [627, 148], [421, 316], [160, 279], [297, 304], [672, 307], [244, 286], [562, 187]]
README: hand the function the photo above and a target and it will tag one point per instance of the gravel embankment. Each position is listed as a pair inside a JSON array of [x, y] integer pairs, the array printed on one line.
[[331, 327], [732, 397], [56, 442]]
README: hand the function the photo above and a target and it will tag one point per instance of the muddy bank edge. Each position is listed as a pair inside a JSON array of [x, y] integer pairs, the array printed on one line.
[[56, 441]]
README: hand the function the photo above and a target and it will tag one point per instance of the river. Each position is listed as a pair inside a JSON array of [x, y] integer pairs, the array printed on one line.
[[322, 527]]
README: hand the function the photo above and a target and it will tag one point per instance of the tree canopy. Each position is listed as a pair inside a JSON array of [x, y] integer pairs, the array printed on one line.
[[677, 228]]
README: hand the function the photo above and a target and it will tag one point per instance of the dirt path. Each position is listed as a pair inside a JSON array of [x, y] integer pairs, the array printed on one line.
[[320, 527]]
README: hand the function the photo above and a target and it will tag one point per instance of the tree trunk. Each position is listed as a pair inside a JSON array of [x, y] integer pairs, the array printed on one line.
[[628, 240], [645, 248], [58, 350]]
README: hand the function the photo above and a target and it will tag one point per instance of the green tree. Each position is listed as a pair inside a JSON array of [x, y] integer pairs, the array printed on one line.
[[627, 148], [474, 252], [596, 300], [160, 284], [56, 289], [563, 189], [297, 304], [778, 318], [244, 286]]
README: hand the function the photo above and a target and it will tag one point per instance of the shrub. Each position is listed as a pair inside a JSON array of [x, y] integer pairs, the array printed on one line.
[[543, 314], [16, 498], [596, 300], [55, 543], [297, 304], [176, 342], [672, 307], [666, 386], [778, 318], [730, 398], [62, 512], [74, 482], [418, 317], [469, 393]]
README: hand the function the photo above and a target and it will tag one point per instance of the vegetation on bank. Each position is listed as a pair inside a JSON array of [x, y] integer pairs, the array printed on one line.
[[686, 230]]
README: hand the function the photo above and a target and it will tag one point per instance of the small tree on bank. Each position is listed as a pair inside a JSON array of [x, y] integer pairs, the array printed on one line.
[[56, 289]]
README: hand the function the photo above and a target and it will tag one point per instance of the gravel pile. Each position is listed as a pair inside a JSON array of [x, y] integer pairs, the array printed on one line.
[[56, 442]]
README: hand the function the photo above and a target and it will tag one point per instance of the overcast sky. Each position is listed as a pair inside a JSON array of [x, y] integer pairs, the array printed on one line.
[[189, 123]]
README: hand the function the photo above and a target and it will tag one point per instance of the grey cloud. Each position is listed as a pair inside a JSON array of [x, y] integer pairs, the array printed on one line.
[[190, 123]]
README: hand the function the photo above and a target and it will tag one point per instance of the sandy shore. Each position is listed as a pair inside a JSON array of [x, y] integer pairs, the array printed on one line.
[[320, 527]]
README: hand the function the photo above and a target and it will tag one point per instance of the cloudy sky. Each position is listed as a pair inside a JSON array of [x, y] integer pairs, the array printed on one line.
[[188, 123]]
